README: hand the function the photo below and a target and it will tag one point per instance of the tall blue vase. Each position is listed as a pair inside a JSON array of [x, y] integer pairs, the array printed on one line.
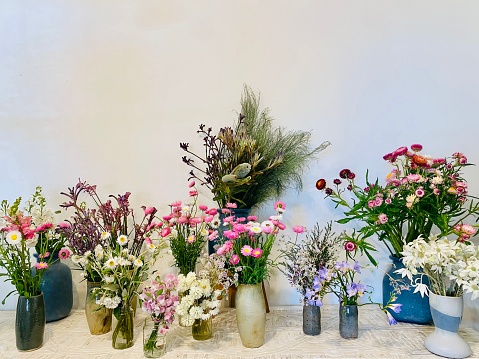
[[57, 290], [237, 213], [415, 309]]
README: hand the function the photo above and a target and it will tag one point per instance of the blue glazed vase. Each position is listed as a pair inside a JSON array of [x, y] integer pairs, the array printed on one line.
[[57, 290], [415, 309], [30, 322], [348, 321]]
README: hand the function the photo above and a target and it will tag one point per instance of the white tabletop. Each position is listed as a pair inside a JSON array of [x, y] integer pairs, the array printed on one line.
[[70, 338]]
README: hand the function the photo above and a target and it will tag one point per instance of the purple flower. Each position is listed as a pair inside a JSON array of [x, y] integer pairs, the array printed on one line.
[[391, 319]]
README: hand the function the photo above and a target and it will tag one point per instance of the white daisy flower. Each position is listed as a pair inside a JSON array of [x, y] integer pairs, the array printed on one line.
[[14, 238], [111, 263], [122, 240], [138, 262], [105, 235]]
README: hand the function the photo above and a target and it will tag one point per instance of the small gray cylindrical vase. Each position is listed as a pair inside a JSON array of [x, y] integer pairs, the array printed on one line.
[[311, 320], [348, 321]]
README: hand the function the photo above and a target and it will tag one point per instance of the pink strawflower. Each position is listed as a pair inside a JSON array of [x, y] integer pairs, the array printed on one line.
[[208, 219], [212, 211], [298, 229], [257, 252], [382, 218], [43, 227], [64, 253], [192, 239], [176, 204], [246, 250], [196, 220], [228, 219], [419, 192], [349, 246], [230, 234], [226, 211], [267, 229], [193, 193], [279, 206], [202, 207], [231, 205], [167, 218], [234, 260], [240, 228], [165, 232], [44, 255], [252, 218], [400, 151], [182, 220], [41, 265], [416, 147], [191, 184], [213, 235]]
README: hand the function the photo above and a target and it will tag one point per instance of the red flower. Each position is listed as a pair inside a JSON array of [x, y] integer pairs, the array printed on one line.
[[321, 184]]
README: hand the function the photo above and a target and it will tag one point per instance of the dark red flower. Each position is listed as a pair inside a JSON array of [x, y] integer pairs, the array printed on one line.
[[351, 175], [349, 246], [321, 184], [350, 188], [344, 173], [328, 191], [337, 181]]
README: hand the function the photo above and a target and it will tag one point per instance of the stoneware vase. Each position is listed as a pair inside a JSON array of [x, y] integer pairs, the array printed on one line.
[[98, 317], [154, 342], [348, 321], [123, 324], [57, 289], [251, 314], [311, 320], [445, 340], [415, 309], [202, 329], [30, 322]]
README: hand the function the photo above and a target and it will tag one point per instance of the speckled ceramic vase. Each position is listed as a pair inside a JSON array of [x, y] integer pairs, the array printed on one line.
[[311, 320], [251, 314], [348, 321]]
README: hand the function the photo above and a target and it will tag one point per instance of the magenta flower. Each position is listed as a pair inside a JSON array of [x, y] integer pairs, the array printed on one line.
[[246, 250], [400, 151], [213, 235], [165, 231], [416, 147], [64, 253], [382, 218], [298, 229], [64, 225], [349, 246], [252, 218], [230, 234], [193, 193], [279, 206], [231, 205], [41, 265], [191, 184], [419, 192], [226, 211], [202, 207], [257, 252], [149, 210]]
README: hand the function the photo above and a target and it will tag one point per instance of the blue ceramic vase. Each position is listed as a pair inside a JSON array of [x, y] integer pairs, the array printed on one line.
[[415, 309], [30, 322], [57, 290]]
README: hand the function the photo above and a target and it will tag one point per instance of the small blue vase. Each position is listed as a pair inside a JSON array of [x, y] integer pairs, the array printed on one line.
[[415, 309], [57, 289]]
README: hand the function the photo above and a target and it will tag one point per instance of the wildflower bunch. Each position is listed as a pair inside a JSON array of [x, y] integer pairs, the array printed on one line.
[[451, 266], [100, 229], [420, 192], [22, 231], [253, 161], [307, 259], [159, 301], [248, 243], [187, 228]]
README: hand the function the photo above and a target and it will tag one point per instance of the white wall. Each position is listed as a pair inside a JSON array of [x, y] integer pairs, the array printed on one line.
[[106, 90]]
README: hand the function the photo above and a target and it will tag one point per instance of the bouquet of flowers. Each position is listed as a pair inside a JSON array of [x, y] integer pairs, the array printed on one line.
[[159, 301], [307, 259], [248, 245], [450, 265], [200, 296], [21, 231], [187, 228], [253, 161], [420, 192], [105, 231]]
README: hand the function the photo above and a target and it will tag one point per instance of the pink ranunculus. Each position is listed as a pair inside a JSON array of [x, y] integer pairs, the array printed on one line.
[[256, 253], [234, 260], [298, 229]]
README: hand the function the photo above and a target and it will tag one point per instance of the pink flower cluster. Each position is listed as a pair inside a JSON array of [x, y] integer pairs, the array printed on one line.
[[20, 223], [159, 301], [464, 231]]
